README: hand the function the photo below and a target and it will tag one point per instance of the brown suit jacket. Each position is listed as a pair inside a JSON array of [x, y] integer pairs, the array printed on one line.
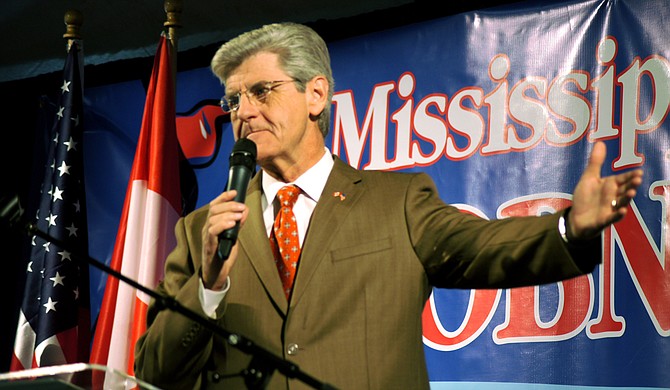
[[368, 264]]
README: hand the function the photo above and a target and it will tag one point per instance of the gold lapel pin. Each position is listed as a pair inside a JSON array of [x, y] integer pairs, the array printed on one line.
[[340, 195]]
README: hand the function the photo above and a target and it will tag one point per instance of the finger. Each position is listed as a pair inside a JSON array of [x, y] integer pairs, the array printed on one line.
[[222, 221], [596, 159], [225, 196], [627, 183], [628, 196], [627, 188], [225, 202], [226, 207], [632, 177], [623, 198]]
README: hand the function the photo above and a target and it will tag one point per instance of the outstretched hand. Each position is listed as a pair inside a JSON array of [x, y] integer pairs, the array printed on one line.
[[600, 201]]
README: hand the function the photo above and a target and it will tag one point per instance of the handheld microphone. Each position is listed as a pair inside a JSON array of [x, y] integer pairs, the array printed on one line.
[[242, 164]]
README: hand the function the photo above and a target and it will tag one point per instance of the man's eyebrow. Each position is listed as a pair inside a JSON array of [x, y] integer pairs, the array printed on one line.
[[256, 84]]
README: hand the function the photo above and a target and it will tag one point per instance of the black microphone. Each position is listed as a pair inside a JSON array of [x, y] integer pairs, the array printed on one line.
[[242, 165]]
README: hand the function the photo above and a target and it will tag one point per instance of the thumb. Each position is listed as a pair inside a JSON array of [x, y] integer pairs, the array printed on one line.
[[596, 159]]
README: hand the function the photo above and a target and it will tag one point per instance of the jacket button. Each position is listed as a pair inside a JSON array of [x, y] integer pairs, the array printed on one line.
[[292, 349]]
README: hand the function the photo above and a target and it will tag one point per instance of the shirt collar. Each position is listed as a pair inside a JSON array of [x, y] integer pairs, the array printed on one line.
[[312, 182]]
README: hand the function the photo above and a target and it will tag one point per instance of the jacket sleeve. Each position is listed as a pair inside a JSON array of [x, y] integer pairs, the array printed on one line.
[[461, 250]]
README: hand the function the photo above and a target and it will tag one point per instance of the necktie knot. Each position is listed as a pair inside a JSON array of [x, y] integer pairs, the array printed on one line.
[[288, 195]]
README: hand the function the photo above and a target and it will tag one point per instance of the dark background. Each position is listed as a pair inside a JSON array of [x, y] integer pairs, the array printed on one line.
[[20, 97]]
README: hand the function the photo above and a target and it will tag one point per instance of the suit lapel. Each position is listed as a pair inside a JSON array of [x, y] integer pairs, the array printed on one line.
[[339, 196], [254, 242]]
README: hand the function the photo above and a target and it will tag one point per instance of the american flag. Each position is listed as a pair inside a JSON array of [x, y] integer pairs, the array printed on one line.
[[54, 321]]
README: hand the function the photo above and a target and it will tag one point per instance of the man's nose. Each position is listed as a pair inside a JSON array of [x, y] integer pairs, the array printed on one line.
[[246, 107]]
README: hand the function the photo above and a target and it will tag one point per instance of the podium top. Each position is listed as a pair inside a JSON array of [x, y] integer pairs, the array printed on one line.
[[82, 376]]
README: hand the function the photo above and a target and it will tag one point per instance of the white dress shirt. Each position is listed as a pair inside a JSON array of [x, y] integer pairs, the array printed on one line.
[[311, 184]]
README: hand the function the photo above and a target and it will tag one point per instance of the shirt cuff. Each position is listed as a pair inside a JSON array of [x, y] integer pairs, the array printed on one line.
[[562, 229], [210, 299]]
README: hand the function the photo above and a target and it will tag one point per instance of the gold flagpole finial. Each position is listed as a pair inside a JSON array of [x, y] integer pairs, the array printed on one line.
[[73, 20], [173, 10]]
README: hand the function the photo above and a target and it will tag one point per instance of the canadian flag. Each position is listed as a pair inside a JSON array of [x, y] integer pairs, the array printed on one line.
[[146, 231]]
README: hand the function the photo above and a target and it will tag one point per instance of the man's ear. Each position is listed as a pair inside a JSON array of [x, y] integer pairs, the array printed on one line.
[[317, 95]]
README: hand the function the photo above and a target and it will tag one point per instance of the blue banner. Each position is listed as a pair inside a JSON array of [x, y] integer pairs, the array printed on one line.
[[501, 107]]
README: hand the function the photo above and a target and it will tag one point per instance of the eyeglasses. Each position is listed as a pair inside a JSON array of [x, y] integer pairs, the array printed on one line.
[[257, 94]]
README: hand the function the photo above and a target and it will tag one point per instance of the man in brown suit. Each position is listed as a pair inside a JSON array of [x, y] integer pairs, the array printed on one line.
[[373, 244]]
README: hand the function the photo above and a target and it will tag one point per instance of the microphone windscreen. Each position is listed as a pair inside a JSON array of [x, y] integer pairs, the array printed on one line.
[[245, 145]]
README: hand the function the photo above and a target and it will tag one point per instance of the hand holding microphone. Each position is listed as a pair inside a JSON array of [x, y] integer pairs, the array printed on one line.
[[242, 164]]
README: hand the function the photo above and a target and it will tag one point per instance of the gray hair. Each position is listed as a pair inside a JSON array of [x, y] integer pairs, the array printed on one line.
[[302, 53]]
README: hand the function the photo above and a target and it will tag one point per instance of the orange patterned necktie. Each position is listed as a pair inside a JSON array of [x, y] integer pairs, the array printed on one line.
[[284, 238]]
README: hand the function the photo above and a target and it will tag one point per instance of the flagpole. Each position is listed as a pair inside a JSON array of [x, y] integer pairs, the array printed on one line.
[[173, 10], [73, 21]]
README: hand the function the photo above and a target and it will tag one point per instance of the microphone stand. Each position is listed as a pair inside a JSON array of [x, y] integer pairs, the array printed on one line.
[[263, 362]]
